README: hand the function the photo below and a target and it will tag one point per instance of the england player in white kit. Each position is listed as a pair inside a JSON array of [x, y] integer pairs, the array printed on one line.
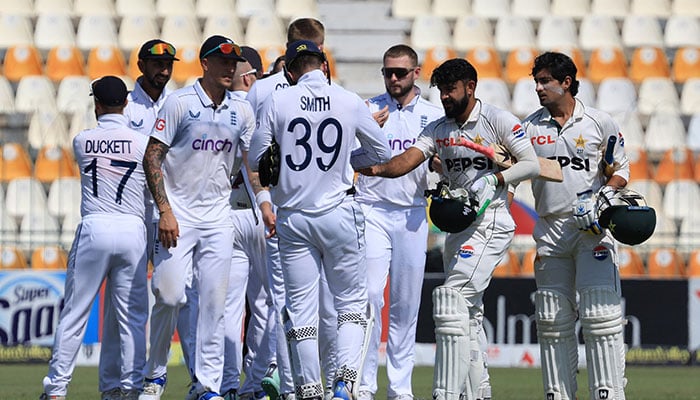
[[188, 162], [320, 226], [396, 226], [110, 243], [312, 30], [469, 255], [573, 255]]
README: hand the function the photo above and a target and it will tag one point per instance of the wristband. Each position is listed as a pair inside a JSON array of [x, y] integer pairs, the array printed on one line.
[[263, 196]]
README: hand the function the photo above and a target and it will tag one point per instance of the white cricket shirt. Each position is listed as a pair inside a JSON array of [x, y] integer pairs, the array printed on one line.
[[141, 111], [263, 88]]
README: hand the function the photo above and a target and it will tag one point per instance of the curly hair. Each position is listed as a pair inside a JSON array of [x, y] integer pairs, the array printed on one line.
[[451, 71], [559, 65]]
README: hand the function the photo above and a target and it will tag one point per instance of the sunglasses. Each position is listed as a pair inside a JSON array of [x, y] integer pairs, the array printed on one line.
[[399, 72], [160, 49], [225, 48], [251, 72]]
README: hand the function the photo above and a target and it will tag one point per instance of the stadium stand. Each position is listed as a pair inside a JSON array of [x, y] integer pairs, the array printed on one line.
[[686, 64], [676, 163], [247, 8], [435, 56], [557, 31], [53, 30], [170, 8], [64, 61], [15, 162], [49, 257], [509, 266], [471, 31], [264, 29], [54, 162], [428, 31], [598, 31], [451, 9], [12, 258], [134, 30], [631, 264], [487, 62], [22, 60], [607, 63], [649, 62], [617, 9], [491, 9], [665, 263], [409, 8], [690, 97], [212, 8], [126, 8], [513, 32]]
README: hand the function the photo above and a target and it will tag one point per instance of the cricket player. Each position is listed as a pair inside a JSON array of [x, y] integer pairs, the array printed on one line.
[[110, 244], [188, 162], [312, 30], [396, 226], [574, 255], [472, 253], [319, 225]]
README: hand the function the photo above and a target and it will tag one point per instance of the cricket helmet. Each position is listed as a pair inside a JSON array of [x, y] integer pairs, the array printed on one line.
[[451, 215], [625, 214]]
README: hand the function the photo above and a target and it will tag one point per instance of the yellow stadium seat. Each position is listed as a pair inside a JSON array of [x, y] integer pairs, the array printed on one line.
[[54, 162], [14, 162], [509, 266], [486, 61], [686, 64], [105, 61], [519, 64], [649, 62], [676, 163], [22, 60], [630, 263], [188, 66], [607, 62], [12, 258], [64, 61], [665, 263], [49, 257]]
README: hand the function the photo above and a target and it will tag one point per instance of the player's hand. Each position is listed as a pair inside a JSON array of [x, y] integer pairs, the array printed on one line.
[[381, 116], [269, 219], [483, 191], [435, 164], [584, 213], [168, 230], [369, 171]]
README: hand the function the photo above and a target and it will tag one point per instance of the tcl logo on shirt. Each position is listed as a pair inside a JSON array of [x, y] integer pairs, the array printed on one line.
[[542, 140]]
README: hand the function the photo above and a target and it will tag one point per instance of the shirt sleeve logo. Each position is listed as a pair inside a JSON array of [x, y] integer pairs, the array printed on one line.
[[518, 131], [160, 124]]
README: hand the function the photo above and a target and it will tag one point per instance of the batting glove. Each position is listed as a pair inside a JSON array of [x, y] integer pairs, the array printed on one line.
[[483, 191], [584, 213]]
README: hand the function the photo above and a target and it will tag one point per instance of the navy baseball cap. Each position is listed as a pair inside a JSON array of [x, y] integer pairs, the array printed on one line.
[[253, 57], [300, 47], [220, 46], [110, 91], [157, 49]]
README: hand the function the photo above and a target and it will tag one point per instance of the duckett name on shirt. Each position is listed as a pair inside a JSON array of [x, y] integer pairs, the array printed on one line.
[[108, 146]]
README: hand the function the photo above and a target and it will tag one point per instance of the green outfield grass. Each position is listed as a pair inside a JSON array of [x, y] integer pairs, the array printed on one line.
[[20, 382]]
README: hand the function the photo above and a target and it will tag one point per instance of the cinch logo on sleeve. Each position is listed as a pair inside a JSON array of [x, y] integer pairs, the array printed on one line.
[[600, 253], [213, 145], [466, 251]]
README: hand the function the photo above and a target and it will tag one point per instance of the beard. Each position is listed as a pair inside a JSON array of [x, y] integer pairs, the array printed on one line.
[[455, 108], [399, 91]]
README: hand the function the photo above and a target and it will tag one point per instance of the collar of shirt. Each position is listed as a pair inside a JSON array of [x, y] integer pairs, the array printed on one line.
[[393, 104], [206, 101], [474, 115], [315, 75], [241, 94], [140, 96], [579, 110], [105, 120]]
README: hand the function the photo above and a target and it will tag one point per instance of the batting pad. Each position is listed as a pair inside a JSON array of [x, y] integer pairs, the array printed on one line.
[[556, 321], [302, 343], [452, 357], [602, 325]]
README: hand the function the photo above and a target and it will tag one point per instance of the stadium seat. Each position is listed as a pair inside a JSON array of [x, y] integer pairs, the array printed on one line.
[[681, 198], [658, 95], [35, 92], [598, 31], [577, 57], [665, 263], [486, 61], [74, 94], [693, 270], [12, 257], [676, 163], [651, 190], [586, 92], [509, 266], [686, 64], [331, 62], [54, 162], [182, 30], [68, 228], [685, 7], [105, 61], [53, 30], [7, 96], [405, 8], [513, 32], [429, 31], [491, 9], [532, 9], [639, 163], [54, 7], [570, 8], [665, 234], [641, 30], [630, 127], [263, 30], [519, 65], [49, 257], [247, 8], [630, 263], [132, 66], [15, 30], [22, 60], [47, 128], [38, 228], [269, 54], [64, 61], [94, 7], [471, 31], [212, 8], [82, 120], [665, 131], [556, 31], [134, 30], [451, 9], [167, 8], [617, 9], [188, 66], [682, 31], [654, 8], [64, 197], [606, 63], [493, 91], [689, 234], [17, 7], [433, 58], [694, 139], [649, 62], [126, 8], [527, 268], [24, 195], [525, 99], [15, 162], [227, 25], [690, 97]]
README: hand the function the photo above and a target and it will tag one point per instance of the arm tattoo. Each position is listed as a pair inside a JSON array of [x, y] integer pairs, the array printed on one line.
[[152, 161]]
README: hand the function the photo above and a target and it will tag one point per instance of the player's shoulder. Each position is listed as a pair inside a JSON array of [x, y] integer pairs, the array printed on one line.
[[427, 105], [535, 117]]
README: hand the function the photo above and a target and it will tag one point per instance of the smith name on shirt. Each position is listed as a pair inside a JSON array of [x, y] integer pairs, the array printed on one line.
[[315, 104], [108, 146]]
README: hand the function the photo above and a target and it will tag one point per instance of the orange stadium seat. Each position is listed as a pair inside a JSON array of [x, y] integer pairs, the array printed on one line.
[[435, 56], [676, 163], [12, 258], [639, 163], [49, 257], [132, 67], [693, 270], [14, 162], [188, 66], [665, 263], [696, 170], [486, 61], [22, 60], [579, 60], [630, 263], [686, 64], [64, 61], [54, 162], [509, 267], [105, 61], [269, 54], [519, 64], [528, 265], [606, 62], [649, 62]]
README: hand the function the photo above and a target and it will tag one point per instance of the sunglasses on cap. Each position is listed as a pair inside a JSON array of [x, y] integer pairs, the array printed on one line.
[[225, 48], [399, 72], [160, 49]]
